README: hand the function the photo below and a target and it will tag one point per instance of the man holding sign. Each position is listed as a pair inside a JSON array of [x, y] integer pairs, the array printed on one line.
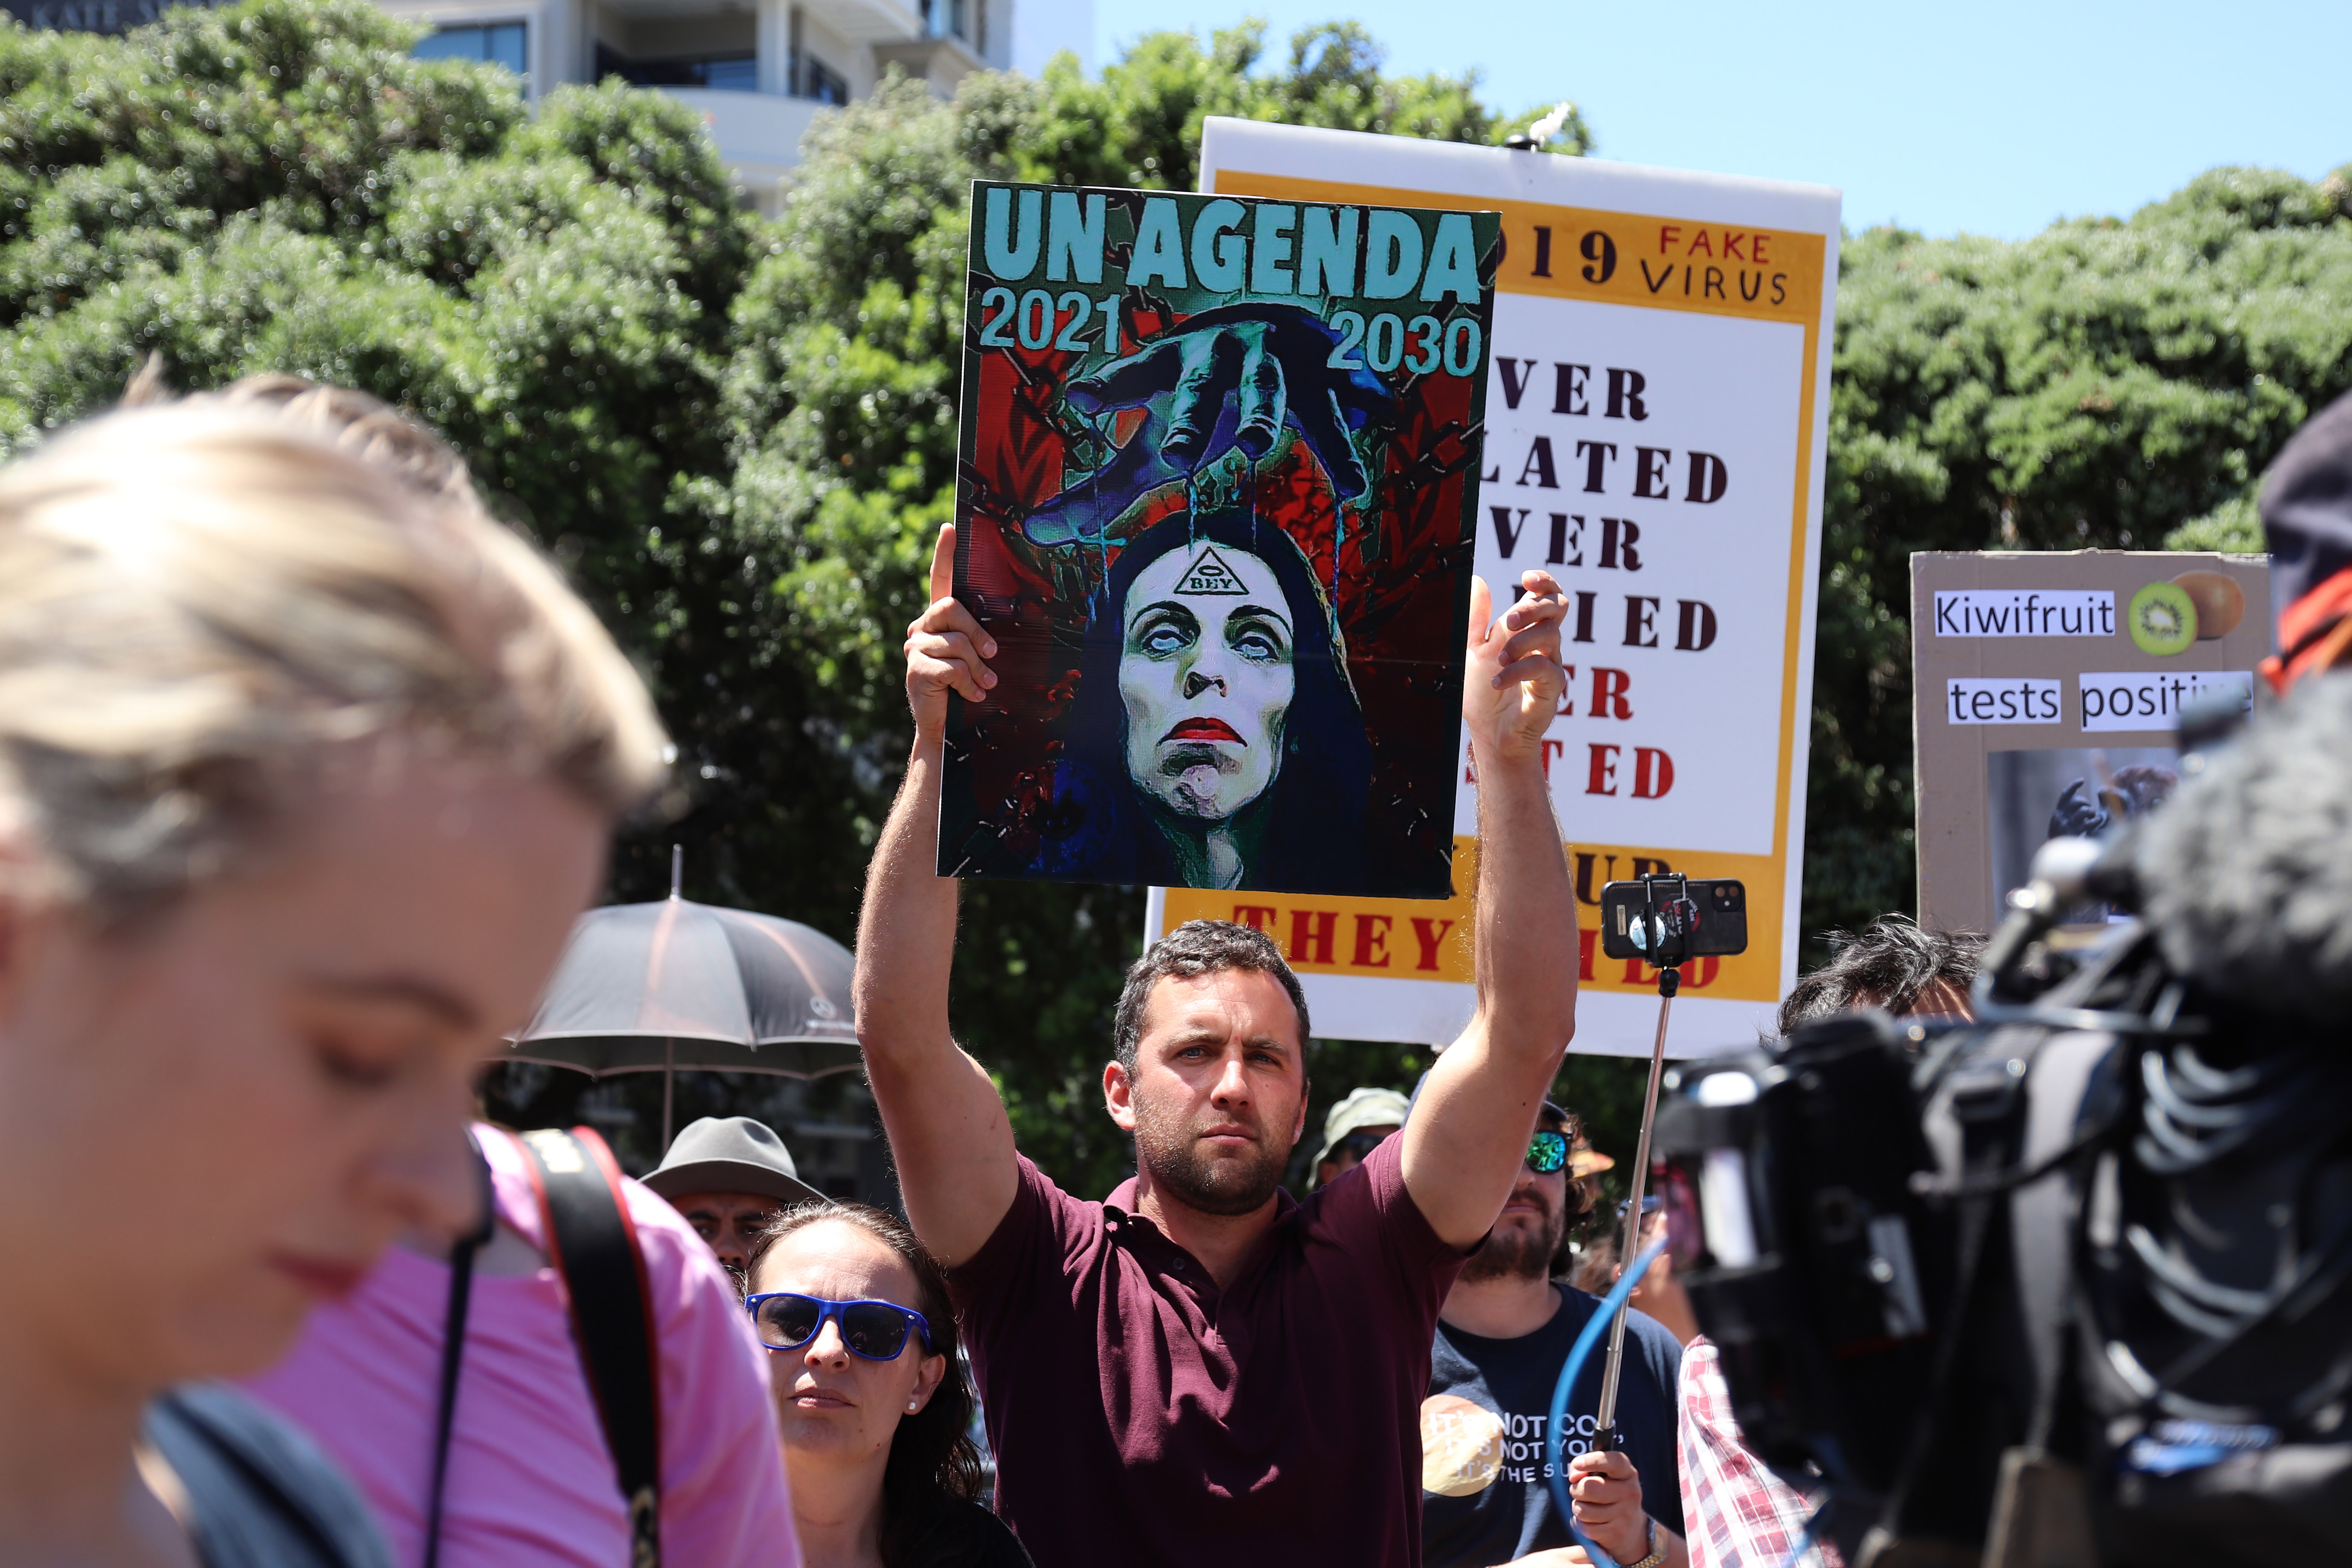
[[1201, 1365]]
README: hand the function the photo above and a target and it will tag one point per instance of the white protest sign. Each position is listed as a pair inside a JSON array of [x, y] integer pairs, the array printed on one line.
[[1658, 418]]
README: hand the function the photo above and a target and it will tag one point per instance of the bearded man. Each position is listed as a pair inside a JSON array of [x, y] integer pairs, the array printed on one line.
[[1502, 1339], [1199, 1369]]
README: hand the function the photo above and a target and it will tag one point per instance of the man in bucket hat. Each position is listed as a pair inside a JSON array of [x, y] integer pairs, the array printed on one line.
[[1356, 1127], [729, 1175]]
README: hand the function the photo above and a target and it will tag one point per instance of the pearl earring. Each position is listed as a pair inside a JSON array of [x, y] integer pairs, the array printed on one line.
[[914, 1404]]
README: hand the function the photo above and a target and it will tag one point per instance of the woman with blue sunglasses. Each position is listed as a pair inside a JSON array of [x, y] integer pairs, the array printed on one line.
[[873, 1401]]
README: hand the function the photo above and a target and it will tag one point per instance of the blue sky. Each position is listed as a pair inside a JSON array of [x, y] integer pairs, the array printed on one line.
[[1993, 118]]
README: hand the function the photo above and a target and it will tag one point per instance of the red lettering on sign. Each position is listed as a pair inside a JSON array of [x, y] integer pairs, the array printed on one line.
[[1257, 917], [1371, 942], [1667, 234], [1311, 932], [1429, 932], [1731, 248], [1609, 689], [1602, 779], [1588, 942], [1700, 247], [1654, 773]]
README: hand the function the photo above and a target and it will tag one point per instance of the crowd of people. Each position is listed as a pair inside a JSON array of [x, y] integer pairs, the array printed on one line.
[[307, 765]]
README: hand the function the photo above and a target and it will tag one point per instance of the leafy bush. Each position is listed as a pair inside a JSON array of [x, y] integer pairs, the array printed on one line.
[[739, 436]]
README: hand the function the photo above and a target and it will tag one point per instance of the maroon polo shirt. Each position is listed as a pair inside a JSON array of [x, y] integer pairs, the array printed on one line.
[[1140, 1414]]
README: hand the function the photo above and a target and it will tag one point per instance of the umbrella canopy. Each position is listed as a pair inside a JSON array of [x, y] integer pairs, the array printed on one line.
[[652, 987]]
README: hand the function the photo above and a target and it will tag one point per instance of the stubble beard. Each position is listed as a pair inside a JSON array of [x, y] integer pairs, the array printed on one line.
[[1226, 1184], [1516, 1253]]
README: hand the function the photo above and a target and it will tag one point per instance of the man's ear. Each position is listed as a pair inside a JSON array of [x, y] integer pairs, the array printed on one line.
[[1119, 1096], [1306, 1096]]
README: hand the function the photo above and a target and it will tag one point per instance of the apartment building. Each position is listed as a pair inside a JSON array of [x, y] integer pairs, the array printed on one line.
[[756, 70]]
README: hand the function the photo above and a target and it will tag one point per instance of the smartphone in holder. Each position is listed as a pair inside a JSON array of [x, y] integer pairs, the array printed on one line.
[[1673, 918]]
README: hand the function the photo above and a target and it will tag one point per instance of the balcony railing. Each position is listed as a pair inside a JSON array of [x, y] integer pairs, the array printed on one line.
[[758, 132]]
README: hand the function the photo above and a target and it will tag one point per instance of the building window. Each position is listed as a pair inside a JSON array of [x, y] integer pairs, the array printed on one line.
[[822, 83], [725, 72], [500, 43], [946, 19]]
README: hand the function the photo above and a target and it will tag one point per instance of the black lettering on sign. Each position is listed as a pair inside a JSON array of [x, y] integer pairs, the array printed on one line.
[[1515, 374], [1210, 574]]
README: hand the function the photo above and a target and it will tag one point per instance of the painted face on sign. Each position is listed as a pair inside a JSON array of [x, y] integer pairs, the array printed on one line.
[[1206, 678]]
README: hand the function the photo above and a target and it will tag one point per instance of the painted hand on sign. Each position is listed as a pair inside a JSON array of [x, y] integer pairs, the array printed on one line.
[[1217, 394]]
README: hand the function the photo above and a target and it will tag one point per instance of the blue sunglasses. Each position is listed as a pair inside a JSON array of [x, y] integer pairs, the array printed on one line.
[[876, 1330]]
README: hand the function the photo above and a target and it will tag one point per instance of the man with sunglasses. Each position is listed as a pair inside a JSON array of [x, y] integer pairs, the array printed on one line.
[[1356, 1126], [1504, 1335], [1198, 1368]]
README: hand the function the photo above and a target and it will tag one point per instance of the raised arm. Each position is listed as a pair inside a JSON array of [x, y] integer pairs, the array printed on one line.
[[946, 1122], [1469, 1129]]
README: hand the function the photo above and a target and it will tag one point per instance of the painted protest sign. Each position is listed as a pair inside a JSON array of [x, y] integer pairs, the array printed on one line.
[[1658, 418], [1216, 506], [2048, 690]]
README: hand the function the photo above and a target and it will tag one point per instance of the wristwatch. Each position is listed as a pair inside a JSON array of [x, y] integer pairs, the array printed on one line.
[[1655, 1556]]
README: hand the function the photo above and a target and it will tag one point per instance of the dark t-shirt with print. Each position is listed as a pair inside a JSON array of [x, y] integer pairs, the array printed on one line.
[[1487, 1495]]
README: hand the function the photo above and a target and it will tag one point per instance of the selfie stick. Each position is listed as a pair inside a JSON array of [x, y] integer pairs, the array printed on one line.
[[1669, 982]]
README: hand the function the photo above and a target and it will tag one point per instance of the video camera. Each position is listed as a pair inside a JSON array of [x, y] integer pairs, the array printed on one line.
[[2068, 1284]]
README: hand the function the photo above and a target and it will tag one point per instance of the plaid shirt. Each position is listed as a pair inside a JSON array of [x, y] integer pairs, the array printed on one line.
[[1736, 1512]]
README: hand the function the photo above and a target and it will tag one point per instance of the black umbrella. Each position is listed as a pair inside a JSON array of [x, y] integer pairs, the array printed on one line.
[[659, 986]]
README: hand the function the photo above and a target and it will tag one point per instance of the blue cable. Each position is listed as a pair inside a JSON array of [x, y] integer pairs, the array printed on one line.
[[1593, 1329]]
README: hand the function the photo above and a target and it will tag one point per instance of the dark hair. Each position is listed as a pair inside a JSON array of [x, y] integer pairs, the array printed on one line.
[[1313, 812], [934, 1466], [1888, 966], [1196, 948]]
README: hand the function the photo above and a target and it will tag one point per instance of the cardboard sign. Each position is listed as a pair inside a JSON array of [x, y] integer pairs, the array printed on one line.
[[2048, 696], [1657, 414], [1215, 507]]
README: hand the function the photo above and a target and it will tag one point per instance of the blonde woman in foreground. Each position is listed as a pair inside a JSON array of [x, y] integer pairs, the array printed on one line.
[[305, 766]]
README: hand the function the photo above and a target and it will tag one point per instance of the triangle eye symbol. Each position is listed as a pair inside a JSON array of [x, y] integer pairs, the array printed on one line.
[[1210, 574]]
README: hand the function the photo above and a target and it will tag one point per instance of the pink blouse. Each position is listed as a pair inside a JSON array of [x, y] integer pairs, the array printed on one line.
[[531, 1481]]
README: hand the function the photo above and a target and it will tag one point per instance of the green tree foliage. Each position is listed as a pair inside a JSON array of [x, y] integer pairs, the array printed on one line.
[[739, 436], [2112, 384], [1140, 123]]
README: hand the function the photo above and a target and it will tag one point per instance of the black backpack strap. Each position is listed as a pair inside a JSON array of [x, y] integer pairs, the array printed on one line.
[[453, 1351], [592, 1243]]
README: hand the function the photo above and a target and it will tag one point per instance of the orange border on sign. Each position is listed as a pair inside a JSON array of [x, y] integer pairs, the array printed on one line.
[[1431, 939]]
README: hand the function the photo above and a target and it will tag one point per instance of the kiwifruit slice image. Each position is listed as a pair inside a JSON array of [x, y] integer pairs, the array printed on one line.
[[2220, 603], [2163, 618]]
